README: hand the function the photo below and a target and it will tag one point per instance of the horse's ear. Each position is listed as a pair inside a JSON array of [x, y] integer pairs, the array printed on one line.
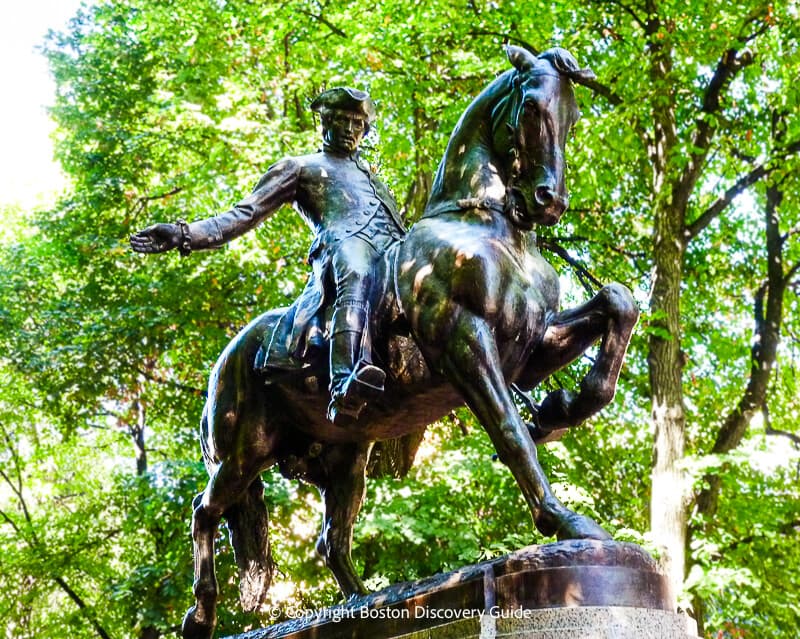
[[522, 59], [582, 75], [564, 62]]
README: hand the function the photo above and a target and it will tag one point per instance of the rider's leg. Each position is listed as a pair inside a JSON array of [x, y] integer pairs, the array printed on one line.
[[353, 376]]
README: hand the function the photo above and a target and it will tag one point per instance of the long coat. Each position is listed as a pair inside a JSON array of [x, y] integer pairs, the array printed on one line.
[[338, 196]]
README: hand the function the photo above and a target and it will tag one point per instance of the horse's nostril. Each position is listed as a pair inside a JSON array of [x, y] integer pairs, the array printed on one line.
[[544, 195]]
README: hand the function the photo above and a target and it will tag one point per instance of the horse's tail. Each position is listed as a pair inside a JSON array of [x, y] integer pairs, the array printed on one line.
[[248, 523]]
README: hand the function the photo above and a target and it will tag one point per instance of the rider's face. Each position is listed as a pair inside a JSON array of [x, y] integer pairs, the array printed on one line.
[[344, 130]]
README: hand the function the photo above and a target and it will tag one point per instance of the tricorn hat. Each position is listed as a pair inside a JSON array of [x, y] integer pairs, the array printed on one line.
[[346, 99]]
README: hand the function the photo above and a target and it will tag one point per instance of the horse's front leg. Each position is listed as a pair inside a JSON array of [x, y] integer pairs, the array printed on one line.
[[342, 484], [610, 315], [471, 361]]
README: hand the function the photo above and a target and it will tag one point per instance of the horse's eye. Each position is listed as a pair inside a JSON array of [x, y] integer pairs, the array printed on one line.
[[531, 105]]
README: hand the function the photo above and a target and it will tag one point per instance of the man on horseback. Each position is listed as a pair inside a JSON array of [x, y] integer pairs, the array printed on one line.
[[354, 218]]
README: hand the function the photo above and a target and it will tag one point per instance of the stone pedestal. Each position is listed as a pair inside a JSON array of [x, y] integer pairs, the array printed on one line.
[[566, 590]]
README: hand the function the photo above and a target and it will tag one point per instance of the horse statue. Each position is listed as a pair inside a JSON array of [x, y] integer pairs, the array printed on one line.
[[468, 308]]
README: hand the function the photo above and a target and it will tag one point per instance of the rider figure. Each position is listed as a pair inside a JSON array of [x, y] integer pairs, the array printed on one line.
[[354, 219]]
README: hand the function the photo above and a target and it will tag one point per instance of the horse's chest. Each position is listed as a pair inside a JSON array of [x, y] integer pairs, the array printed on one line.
[[525, 299]]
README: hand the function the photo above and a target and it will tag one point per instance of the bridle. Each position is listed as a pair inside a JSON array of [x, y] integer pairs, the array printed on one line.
[[512, 123]]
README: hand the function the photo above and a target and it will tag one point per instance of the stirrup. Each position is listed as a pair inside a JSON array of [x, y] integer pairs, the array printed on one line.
[[366, 381], [349, 398]]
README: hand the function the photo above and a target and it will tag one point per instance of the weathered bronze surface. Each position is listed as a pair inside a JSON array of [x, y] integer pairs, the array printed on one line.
[[462, 308]]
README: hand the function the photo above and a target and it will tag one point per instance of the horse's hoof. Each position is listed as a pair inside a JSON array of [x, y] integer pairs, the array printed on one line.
[[554, 411], [194, 629], [541, 435], [577, 526], [565, 524]]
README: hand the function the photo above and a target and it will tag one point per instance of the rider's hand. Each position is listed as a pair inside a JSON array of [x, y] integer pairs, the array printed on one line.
[[156, 239]]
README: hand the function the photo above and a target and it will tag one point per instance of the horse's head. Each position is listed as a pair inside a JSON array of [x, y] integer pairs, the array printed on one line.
[[531, 124]]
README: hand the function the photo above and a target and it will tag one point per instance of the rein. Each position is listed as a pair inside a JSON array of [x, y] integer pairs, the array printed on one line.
[[509, 206]]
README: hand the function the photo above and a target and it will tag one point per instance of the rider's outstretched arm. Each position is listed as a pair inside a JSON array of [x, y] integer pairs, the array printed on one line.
[[278, 186], [275, 188]]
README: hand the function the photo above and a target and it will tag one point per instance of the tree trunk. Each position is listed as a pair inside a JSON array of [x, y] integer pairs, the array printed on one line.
[[137, 431], [665, 359]]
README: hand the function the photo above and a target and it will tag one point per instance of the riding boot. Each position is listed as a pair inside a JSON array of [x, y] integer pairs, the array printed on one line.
[[354, 378]]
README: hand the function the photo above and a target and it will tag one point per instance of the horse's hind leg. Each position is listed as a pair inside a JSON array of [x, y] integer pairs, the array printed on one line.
[[342, 485], [201, 618], [472, 363], [230, 480], [610, 315], [225, 486]]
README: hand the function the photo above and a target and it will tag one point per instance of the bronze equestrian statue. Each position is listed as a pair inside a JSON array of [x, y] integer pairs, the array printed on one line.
[[461, 309]]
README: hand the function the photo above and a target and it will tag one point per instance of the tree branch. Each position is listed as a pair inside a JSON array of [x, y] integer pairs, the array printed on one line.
[[627, 9], [16, 486], [606, 245], [727, 67], [761, 30], [325, 21], [601, 89], [12, 523], [768, 314], [584, 276], [724, 200], [15, 457], [730, 63], [744, 182], [197, 392], [141, 202], [784, 433], [83, 607]]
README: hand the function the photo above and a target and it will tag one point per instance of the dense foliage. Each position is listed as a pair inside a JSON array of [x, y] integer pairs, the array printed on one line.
[[684, 181]]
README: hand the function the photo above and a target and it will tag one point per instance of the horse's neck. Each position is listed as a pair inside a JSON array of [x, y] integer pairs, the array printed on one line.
[[470, 169]]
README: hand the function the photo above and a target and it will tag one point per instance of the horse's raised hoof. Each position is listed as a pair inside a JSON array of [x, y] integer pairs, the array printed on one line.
[[554, 411], [194, 629], [541, 435]]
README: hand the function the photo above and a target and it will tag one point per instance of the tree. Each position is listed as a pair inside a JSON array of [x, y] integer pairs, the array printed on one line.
[[695, 133]]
